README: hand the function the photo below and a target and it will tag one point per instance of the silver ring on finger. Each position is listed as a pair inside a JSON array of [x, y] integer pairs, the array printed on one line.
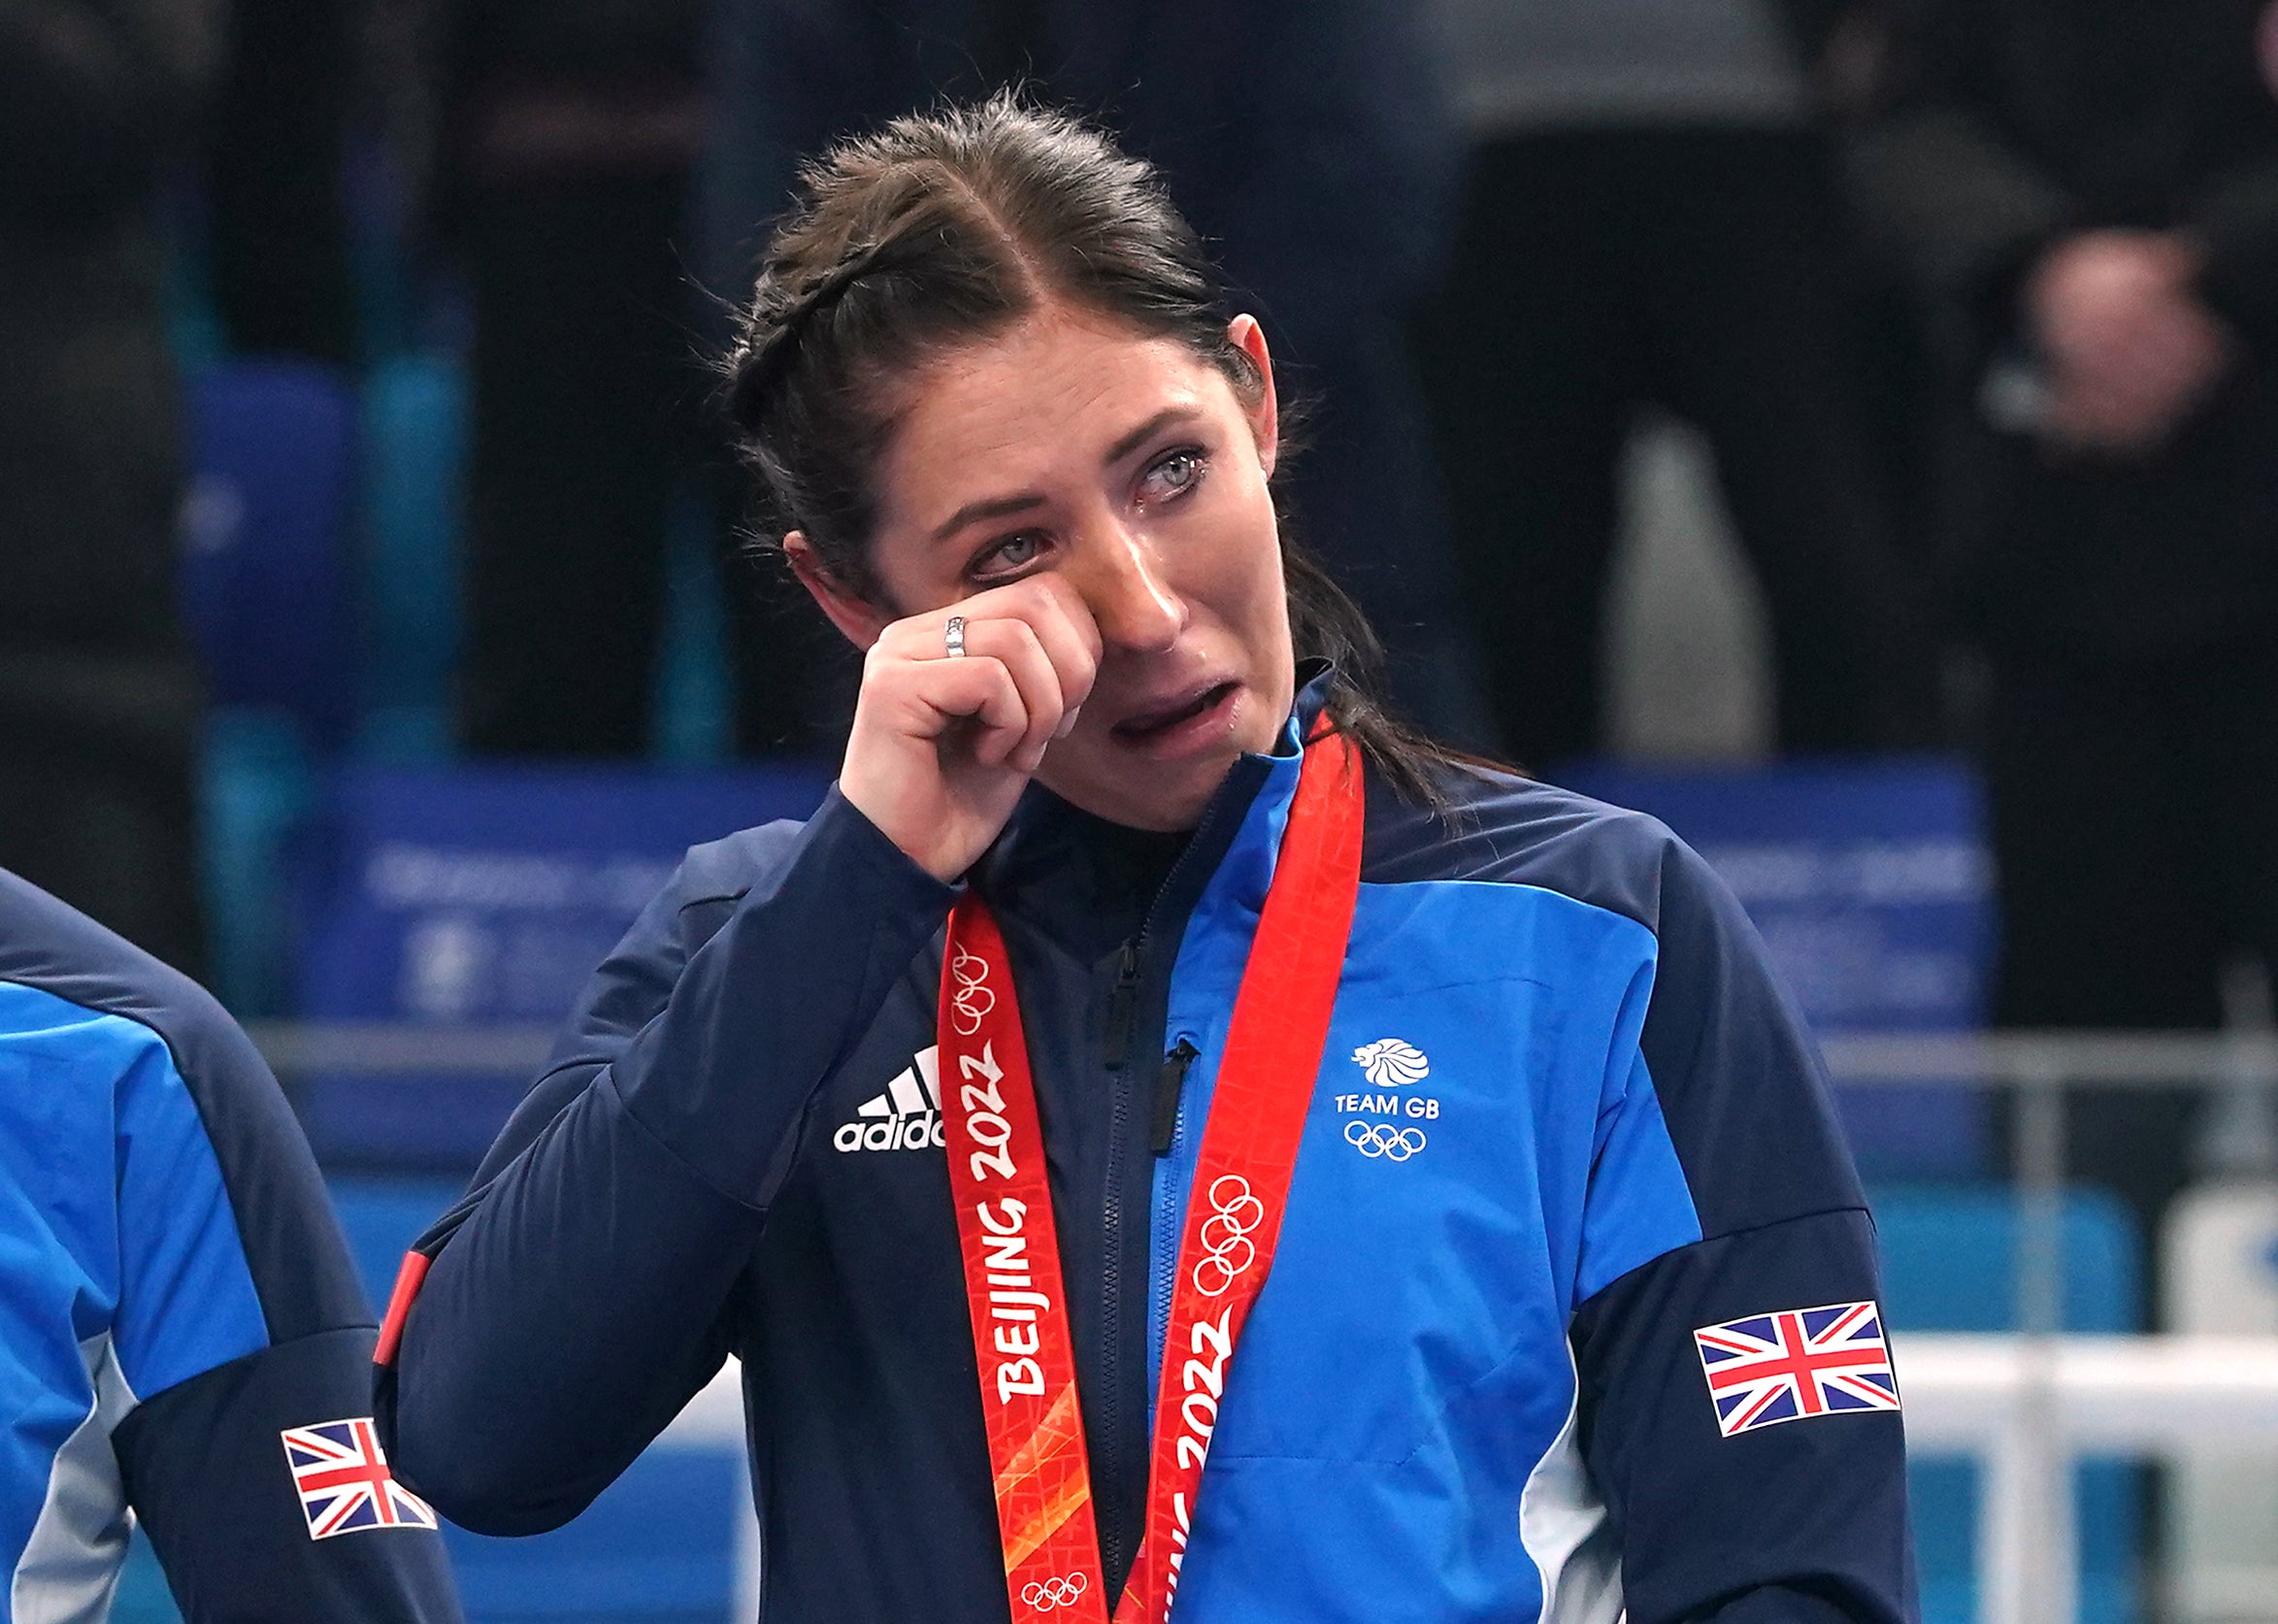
[[953, 637]]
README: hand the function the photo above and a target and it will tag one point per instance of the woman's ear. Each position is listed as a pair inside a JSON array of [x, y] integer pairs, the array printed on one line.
[[856, 617], [1265, 414]]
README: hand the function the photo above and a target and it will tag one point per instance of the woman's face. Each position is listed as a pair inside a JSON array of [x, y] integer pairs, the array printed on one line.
[[1129, 468]]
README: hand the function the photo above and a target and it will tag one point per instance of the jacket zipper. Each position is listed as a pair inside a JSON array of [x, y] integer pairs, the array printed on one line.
[[1122, 1011], [1123, 1002], [1163, 1246], [1121, 1008], [1169, 1085]]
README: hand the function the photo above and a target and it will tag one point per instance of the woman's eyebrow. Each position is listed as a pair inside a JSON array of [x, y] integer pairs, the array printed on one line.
[[989, 507], [1147, 430]]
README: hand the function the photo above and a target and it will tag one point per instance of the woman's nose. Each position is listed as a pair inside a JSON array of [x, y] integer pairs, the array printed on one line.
[[1121, 583]]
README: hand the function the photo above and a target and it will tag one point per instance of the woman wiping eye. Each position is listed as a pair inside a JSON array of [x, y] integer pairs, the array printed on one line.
[[1166, 1141]]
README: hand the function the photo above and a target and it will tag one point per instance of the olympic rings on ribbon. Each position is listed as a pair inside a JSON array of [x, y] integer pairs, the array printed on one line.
[[1227, 1249], [973, 998], [1046, 1594], [1377, 1139]]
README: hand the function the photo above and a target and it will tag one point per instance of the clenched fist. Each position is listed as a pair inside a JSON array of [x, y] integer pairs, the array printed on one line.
[[943, 744]]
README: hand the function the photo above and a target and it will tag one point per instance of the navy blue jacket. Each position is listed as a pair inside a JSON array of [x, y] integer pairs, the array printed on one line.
[[174, 1299], [1564, 1120]]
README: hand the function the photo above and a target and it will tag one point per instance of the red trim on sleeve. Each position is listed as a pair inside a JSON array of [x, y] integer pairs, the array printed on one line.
[[408, 1280]]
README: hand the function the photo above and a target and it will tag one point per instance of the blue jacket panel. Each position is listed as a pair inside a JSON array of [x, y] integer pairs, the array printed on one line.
[[1488, 1154], [173, 1296], [1563, 1120], [122, 1237]]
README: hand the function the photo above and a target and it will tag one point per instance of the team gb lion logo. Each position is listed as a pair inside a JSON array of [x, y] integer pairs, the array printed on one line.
[[1390, 1062]]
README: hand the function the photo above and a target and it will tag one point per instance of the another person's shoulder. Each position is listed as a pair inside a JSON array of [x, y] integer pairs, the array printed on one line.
[[1499, 827], [174, 1104], [103, 992]]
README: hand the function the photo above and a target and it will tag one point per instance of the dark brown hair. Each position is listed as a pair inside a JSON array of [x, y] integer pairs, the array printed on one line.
[[938, 231]]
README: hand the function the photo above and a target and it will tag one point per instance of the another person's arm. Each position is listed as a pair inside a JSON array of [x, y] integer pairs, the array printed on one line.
[[2114, 337], [1802, 1519], [1966, 208], [241, 1323]]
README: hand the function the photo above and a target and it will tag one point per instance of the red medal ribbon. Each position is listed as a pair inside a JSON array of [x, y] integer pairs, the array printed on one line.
[[1011, 1253]]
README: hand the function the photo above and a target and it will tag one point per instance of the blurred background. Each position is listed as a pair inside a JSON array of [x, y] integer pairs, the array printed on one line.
[[1843, 428]]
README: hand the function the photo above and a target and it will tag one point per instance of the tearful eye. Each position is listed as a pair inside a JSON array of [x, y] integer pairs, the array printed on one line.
[[1014, 552], [1171, 475]]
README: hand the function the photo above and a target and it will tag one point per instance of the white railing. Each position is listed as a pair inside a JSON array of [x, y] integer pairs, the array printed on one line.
[[2028, 1404], [2025, 1406]]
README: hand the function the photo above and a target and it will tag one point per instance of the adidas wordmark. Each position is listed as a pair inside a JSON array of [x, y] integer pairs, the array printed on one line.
[[907, 1116]]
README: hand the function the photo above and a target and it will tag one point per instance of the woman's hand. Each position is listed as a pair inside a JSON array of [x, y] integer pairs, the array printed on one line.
[[943, 746]]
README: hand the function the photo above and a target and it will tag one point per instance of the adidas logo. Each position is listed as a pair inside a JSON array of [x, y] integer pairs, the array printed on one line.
[[907, 1116]]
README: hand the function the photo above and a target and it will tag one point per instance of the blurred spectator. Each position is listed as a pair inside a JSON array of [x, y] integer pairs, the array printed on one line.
[[1304, 138], [568, 129], [101, 108], [1651, 216], [99, 702], [2087, 193]]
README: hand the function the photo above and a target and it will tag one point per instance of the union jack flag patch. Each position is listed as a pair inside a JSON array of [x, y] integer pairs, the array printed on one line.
[[1786, 1366], [343, 1481]]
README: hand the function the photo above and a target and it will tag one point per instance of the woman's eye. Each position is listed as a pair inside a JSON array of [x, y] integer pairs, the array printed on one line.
[[1171, 475], [1014, 552]]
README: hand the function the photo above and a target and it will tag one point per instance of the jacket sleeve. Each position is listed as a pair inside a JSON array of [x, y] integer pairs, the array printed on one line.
[[206, 1468], [239, 1318], [578, 1298], [1800, 1521]]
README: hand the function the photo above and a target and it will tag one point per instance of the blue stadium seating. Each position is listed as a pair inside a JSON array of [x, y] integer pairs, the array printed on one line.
[[266, 585], [1949, 1259], [266, 570]]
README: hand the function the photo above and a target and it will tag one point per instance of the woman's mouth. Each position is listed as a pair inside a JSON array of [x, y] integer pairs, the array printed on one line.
[[1190, 717]]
